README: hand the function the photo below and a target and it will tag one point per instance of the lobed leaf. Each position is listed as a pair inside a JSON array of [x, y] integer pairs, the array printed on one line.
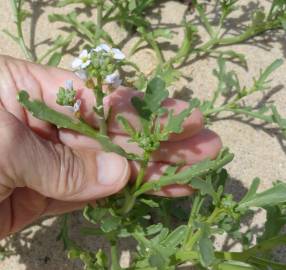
[[41, 111], [200, 169], [175, 122]]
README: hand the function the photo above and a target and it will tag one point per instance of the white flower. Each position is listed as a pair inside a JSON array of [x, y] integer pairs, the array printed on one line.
[[83, 61], [75, 108], [82, 74], [69, 85], [113, 79], [117, 54], [102, 47]]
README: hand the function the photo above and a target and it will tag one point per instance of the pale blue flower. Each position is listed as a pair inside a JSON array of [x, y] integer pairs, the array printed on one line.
[[117, 54], [102, 47], [69, 84], [113, 79]]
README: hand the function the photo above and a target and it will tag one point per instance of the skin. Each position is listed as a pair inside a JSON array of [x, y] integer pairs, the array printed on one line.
[[46, 171]]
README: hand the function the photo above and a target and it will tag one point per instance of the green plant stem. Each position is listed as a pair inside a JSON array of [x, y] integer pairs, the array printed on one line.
[[187, 174], [99, 106], [270, 264], [142, 172], [99, 21], [129, 202], [114, 256], [17, 13], [266, 245], [248, 255], [228, 108], [130, 198], [196, 206], [194, 238], [215, 96], [249, 33], [158, 51]]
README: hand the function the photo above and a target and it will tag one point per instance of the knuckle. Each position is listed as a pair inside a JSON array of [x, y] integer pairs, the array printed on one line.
[[70, 173]]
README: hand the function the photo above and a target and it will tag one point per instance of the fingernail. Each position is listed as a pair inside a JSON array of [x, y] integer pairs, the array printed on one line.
[[111, 168]]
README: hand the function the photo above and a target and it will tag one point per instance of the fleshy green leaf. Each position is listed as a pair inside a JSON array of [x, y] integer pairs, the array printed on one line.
[[110, 223], [277, 118], [41, 111], [227, 80], [198, 170], [205, 187], [165, 33], [261, 82], [155, 94], [175, 122], [270, 197], [275, 221], [55, 59], [206, 250], [154, 229], [252, 190], [150, 104], [126, 125], [101, 258], [168, 74], [235, 265], [175, 237], [94, 214]]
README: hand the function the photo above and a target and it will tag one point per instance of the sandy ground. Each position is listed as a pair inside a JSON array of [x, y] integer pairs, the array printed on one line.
[[258, 151]]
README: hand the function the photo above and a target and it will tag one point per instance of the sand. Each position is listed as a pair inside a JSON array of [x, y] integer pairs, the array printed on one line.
[[259, 152]]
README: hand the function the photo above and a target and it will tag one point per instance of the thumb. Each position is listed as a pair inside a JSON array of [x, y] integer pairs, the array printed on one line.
[[55, 170]]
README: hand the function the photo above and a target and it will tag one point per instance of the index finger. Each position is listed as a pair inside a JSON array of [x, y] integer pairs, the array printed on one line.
[[120, 101]]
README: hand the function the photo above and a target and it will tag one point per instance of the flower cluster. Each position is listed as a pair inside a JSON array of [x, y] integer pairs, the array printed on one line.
[[67, 97], [102, 61]]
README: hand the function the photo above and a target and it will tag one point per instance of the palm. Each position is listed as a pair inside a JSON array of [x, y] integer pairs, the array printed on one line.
[[42, 83]]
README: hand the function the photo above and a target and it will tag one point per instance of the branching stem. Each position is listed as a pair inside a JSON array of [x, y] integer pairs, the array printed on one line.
[[16, 7]]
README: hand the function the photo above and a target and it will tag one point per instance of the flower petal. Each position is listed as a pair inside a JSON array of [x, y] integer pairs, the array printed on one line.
[[69, 84], [102, 47], [113, 79], [117, 83], [110, 78], [118, 54], [76, 64], [85, 64], [76, 106], [84, 54]]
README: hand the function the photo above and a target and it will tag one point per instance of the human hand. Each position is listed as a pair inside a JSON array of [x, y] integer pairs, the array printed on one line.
[[48, 171]]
